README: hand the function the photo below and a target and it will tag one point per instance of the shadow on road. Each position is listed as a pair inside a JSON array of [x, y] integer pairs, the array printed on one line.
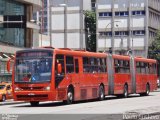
[[58, 104]]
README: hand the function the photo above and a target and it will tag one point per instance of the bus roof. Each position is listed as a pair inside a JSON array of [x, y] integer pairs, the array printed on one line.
[[67, 51], [34, 49], [122, 57], [141, 59], [80, 53]]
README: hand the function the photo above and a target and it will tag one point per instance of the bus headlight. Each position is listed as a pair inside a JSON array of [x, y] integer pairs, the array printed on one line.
[[47, 88], [17, 89]]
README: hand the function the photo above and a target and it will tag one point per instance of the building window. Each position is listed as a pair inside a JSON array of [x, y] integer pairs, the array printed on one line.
[[45, 19], [45, 4], [122, 13], [10, 7], [121, 33], [139, 32], [152, 34], [138, 12], [93, 5], [12, 36], [109, 34], [105, 14]]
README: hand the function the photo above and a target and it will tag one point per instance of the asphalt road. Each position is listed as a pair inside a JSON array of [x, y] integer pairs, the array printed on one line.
[[87, 110]]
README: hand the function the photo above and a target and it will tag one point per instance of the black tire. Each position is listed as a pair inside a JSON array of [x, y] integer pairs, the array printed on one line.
[[3, 98], [147, 91], [119, 95], [34, 103], [70, 96], [101, 95], [125, 91]]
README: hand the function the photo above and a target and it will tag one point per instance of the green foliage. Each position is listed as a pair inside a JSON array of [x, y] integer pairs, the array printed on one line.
[[90, 30], [154, 48]]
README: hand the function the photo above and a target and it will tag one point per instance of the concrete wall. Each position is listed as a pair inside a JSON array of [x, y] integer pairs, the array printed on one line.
[[67, 23]]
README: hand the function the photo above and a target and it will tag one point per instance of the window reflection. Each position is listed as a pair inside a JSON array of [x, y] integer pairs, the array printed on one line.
[[12, 36], [33, 70]]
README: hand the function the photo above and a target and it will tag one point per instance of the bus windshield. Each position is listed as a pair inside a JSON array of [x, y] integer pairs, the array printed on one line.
[[33, 68]]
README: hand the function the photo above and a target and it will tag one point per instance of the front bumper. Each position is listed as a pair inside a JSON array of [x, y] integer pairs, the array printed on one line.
[[34, 96]]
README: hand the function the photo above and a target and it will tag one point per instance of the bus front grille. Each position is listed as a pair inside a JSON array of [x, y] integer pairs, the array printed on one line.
[[32, 97]]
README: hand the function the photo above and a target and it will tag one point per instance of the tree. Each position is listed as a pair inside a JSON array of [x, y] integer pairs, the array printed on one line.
[[154, 48], [90, 30]]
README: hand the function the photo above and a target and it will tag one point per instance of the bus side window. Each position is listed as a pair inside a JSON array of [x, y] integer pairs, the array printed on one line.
[[117, 66], [147, 68], [138, 67], [86, 65], [143, 68], [59, 59], [76, 65], [69, 64], [152, 68], [104, 64], [155, 69]]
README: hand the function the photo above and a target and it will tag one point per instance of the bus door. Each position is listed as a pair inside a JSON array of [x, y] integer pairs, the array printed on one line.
[[60, 76], [72, 74]]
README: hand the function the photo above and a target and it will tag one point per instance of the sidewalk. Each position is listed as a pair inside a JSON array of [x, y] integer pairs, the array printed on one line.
[[10, 102]]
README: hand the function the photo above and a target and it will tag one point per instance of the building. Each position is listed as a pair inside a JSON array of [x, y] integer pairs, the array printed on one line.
[[16, 30], [67, 23], [42, 17], [93, 5], [127, 25]]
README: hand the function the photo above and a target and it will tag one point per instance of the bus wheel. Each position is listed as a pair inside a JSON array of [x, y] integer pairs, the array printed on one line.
[[34, 103], [125, 93], [3, 98], [147, 90], [70, 96], [101, 93]]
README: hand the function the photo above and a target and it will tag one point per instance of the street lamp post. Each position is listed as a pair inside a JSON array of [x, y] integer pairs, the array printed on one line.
[[106, 31], [121, 42], [132, 39]]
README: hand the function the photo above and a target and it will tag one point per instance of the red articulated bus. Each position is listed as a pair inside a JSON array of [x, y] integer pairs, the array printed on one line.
[[48, 74]]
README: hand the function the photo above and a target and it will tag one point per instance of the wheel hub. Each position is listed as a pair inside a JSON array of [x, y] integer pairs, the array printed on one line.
[[70, 96]]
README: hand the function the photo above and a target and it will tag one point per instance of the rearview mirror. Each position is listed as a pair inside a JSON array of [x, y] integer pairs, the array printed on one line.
[[59, 66], [8, 65]]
